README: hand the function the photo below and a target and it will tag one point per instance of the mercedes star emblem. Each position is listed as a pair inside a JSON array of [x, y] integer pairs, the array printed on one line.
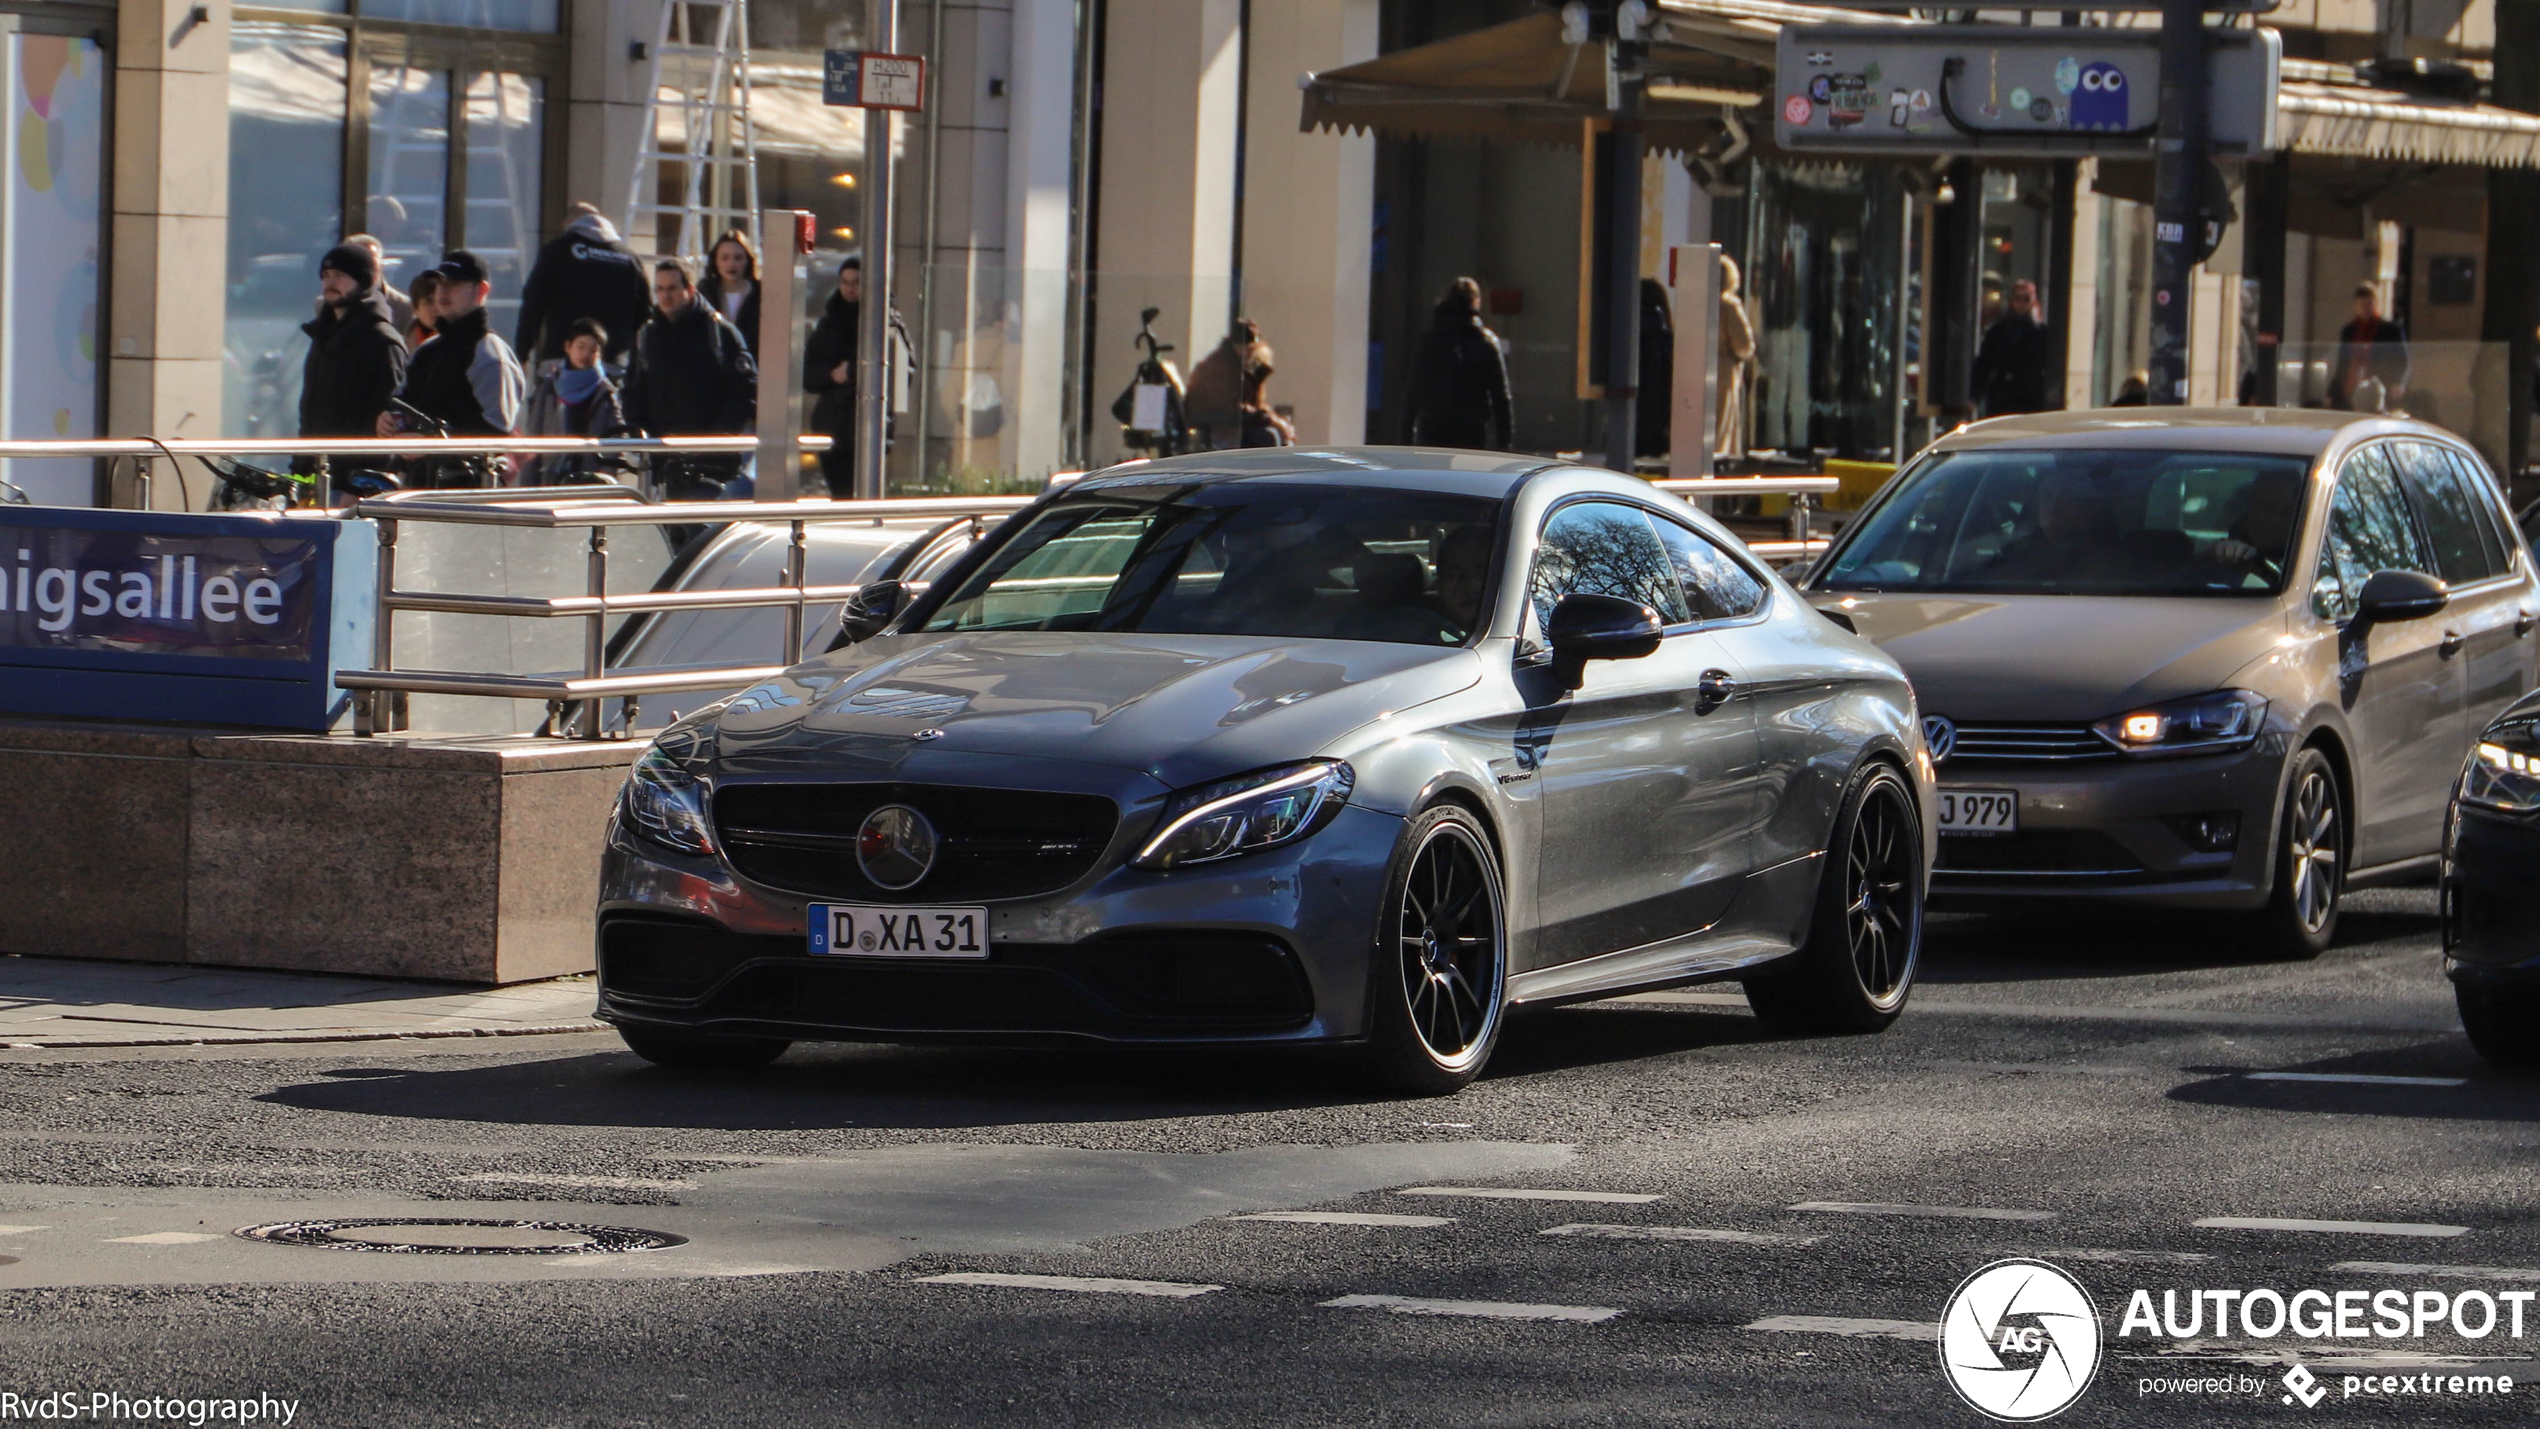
[[896, 847]]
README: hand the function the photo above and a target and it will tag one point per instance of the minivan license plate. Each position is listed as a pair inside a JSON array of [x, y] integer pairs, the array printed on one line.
[[855, 930], [1979, 811]]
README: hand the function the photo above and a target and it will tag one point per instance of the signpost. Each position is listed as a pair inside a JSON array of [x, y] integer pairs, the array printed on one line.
[[869, 79], [881, 83]]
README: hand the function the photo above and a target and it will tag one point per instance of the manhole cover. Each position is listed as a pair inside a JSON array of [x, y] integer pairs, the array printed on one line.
[[399, 1236]]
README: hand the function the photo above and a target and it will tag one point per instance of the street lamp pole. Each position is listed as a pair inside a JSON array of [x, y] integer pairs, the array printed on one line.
[[873, 342], [2183, 147]]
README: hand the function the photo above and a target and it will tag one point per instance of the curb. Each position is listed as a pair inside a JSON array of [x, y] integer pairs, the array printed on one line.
[[251, 1039]]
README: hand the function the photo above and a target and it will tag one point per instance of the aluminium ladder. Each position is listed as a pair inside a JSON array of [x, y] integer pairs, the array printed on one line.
[[701, 73]]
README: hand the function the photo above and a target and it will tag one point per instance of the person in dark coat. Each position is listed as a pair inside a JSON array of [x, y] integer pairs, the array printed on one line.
[[1654, 411], [574, 398], [2013, 361], [829, 375], [583, 272], [464, 378], [693, 376], [2372, 352], [356, 359], [730, 284], [1459, 383]]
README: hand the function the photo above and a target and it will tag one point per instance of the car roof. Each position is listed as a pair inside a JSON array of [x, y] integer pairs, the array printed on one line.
[[2288, 431], [1489, 474]]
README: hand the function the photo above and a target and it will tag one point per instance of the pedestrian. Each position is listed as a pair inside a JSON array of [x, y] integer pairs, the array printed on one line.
[[693, 376], [464, 378], [730, 284], [2013, 360], [2371, 374], [574, 398], [423, 311], [401, 308], [2135, 390], [1653, 415], [1737, 354], [356, 357], [829, 375], [1226, 397], [587, 271], [1459, 381]]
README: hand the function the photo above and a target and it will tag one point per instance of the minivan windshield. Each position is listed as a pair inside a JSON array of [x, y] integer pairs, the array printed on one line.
[[2066, 522], [1241, 558]]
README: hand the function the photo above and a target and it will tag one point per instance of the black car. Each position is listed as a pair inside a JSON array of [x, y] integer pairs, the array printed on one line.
[[2491, 900]]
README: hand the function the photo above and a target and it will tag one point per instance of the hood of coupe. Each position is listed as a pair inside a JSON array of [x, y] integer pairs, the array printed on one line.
[[1183, 708], [2067, 659]]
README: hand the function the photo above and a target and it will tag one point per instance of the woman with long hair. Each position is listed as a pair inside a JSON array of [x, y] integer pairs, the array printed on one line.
[[730, 284]]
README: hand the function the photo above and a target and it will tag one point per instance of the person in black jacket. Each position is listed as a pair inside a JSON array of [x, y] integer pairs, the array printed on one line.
[[2013, 362], [583, 272], [693, 376], [1459, 383], [464, 377], [730, 285], [829, 375], [356, 359]]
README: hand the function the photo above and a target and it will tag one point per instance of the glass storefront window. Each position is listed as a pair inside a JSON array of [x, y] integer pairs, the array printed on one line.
[[506, 116], [56, 148], [409, 177], [286, 187], [537, 15]]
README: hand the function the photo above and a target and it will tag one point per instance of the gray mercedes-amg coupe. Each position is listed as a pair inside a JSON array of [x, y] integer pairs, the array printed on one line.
[[1358, 746]]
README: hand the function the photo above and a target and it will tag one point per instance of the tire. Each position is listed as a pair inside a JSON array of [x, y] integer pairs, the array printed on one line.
[[1865, 938], [2300, 918], [701, 1051], [2502, 1023], [1438, 977]]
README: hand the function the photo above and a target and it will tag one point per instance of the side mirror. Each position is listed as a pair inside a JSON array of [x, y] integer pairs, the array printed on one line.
[[1599, 627], [870, 608], [2392, 596]]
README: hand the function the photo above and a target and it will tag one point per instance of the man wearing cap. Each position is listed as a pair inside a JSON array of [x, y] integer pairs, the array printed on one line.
[[585, 272], [356, 359], [463, 377]]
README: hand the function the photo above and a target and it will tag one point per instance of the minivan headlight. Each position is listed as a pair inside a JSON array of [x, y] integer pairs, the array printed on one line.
[[2200, 724], [665, 804], [1248, 813], [2504, 772]]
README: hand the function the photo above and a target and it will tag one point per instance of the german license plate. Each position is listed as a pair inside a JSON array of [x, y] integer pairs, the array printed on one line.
[[1979, 811], [855, 930]]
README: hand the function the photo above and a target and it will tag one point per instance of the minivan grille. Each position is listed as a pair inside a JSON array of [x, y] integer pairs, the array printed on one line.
[[2028, 743], [995, 843]]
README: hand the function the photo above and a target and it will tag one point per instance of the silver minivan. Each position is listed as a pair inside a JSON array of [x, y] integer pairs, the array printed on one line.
[[2223, 658]]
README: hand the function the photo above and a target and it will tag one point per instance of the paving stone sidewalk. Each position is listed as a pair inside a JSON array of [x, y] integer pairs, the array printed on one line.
[[51, 1002]]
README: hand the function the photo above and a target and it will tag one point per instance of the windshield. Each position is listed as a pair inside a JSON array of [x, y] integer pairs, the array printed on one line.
[[2080, 523], [1241, 558]]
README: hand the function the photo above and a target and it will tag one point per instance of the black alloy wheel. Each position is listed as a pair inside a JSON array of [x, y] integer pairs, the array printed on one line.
[[1857, 968], [2300, 918], [1441, 961]]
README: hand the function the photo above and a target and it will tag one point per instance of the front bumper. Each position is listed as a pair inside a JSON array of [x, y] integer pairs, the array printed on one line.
[[2108, 829], [2491, 900], [1268, 948]]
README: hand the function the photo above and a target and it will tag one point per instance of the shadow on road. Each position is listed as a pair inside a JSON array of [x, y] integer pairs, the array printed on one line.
[[2488, 1093], [2057, 943]]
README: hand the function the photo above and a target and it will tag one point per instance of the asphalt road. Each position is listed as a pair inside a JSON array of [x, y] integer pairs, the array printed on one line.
[[2072, 1088]]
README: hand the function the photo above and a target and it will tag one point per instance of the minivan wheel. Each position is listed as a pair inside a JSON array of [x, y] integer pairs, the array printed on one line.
[[1439, 977], [701, 1051], [2502, 1023], [1857, 967], [2310, 863]]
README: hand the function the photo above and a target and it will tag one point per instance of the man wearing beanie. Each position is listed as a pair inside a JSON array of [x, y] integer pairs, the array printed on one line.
[[464, 376], [356, 359]]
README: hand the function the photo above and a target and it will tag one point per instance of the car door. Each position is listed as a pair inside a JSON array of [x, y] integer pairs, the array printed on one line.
[[2493, 611], [1644, 777], [2401, 694]]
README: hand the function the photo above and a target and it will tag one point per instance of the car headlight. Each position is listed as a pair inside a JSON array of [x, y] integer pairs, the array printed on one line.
[[2200, 724], [2504, 772], [1248, 813], [665, 803]]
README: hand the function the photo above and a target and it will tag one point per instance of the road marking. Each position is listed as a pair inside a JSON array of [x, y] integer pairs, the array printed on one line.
[[1345, 1218], [2124, 1257], [1504, 1193], [21, 1230], [163, 1238], [606, 1183], [1081, 1284], [1884, 1208], [1479, 1309], [1848, 1326], [2287, 1223], [2452, 1272], [1602, 1232], [2362, 1079]]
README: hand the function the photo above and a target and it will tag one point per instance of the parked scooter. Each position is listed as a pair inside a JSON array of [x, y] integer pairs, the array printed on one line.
[[1150, 412]]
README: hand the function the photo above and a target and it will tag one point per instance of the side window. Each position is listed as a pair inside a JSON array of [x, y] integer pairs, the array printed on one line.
[[2495, 517], [2463, 547], [1715, 586], [1604, 548], [2369, 529]]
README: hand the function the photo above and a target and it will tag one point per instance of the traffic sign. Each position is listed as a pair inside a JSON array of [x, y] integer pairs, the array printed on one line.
[[867, 79], [1954, 89]]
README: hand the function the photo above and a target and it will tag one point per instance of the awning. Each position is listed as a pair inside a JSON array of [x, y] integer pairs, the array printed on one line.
[[2377, 124]]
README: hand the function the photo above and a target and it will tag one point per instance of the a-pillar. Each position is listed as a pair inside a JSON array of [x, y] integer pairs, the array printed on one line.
[[169, 225], [1309, 212]]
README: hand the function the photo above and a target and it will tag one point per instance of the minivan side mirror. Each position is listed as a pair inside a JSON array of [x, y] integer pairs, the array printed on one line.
[[1588, 627], [2392, 596], [870, 608]]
